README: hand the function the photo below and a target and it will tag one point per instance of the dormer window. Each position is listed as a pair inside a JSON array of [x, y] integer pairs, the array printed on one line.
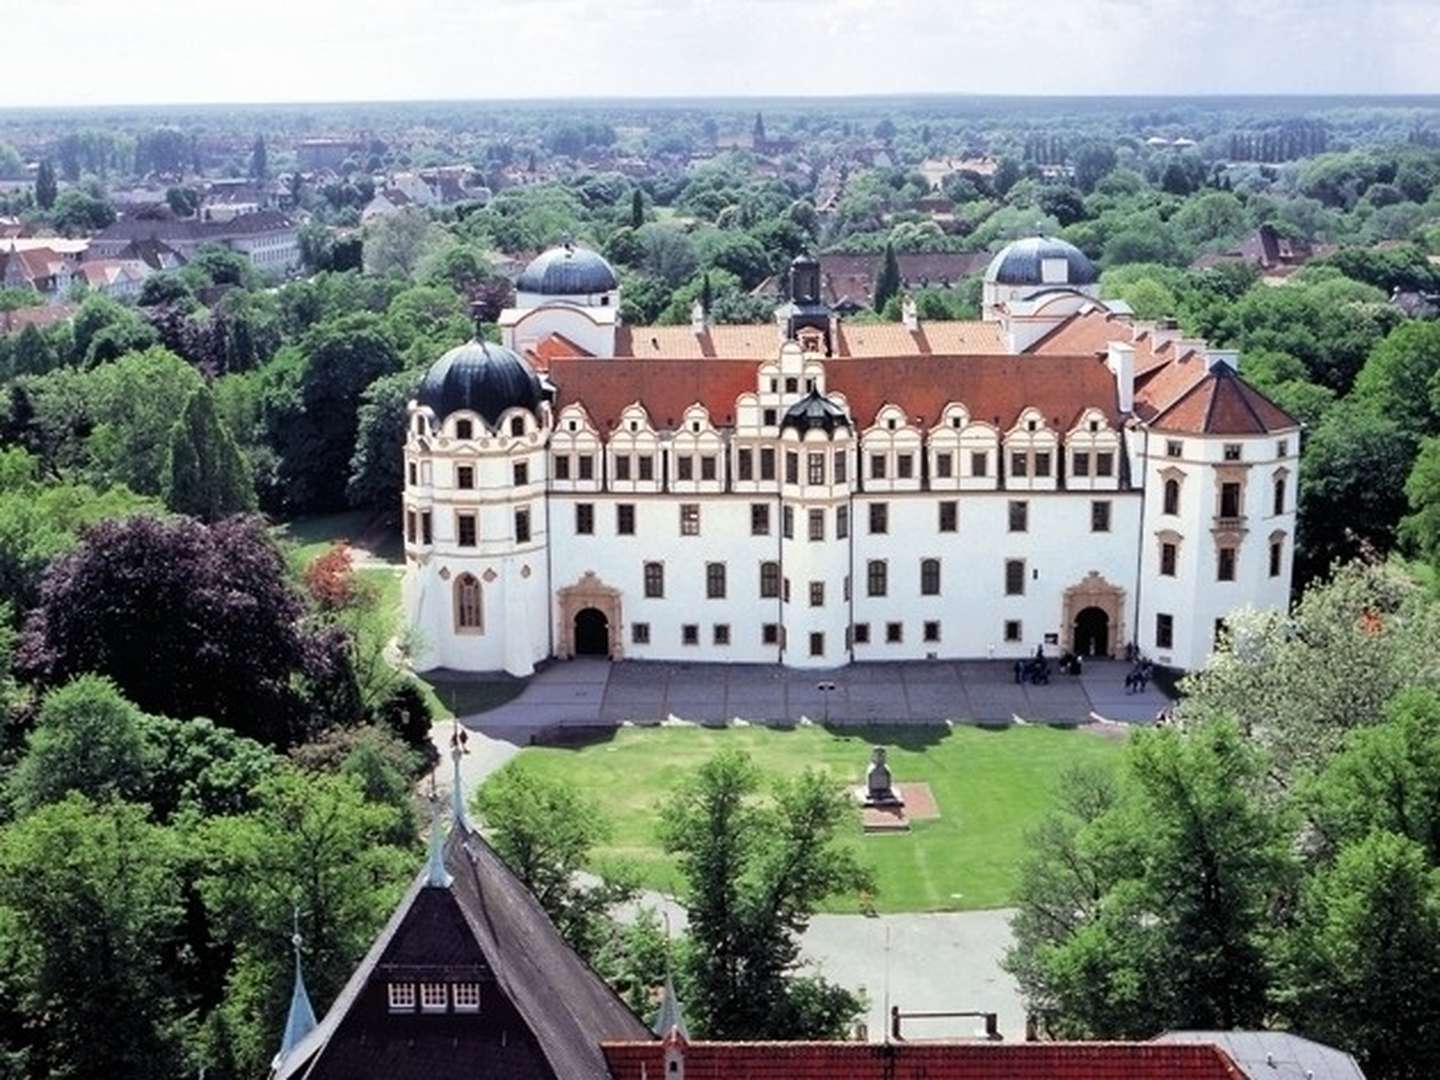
[[1094, 425], [467, 997], [1030, 425], [574, 426], [517, 426], [419, 425], [634, 425], [890, 423], [402, 997], [695, 426], [464, 429], [433, 998], [955, 422]]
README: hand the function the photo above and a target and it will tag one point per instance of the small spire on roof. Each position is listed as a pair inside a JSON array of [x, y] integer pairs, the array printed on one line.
[[437, 876], [458, 738], [301, 1019], [671, 1017]]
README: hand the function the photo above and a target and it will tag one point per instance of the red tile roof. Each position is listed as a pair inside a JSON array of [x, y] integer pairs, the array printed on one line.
[[554, 347], [926, 1061], [761, 341], [665, 387], [1216, 402]]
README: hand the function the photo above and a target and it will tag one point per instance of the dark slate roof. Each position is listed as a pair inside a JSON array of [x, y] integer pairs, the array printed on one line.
[[815, 412], [262, 221], [1019, 263], [1275, 1055], [543, 1011], [567, 271], [481, 377]]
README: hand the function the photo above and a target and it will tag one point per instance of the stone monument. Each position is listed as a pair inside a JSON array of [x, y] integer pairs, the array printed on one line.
[[879, 788]]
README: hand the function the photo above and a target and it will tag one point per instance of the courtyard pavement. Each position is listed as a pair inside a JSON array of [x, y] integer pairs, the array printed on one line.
[[597, 693]]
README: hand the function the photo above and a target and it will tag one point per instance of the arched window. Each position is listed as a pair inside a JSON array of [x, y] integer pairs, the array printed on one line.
[[1279, 495], [1172, 496], [469, 610]]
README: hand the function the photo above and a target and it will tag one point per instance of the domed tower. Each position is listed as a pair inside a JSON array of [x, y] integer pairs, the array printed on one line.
[[568, 291], [1031, 285], [476, 584], [806, 318]]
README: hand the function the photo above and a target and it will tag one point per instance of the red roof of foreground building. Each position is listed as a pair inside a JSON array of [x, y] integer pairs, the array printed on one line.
[[925, 1061]]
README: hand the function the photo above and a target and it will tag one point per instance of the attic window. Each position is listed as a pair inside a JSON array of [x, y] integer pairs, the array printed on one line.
[[1030, 424], [890, 423], [464, 429], [695, 425], [634, 426], [809, 386], [955, 421], [574, 426], [517, 425], [402, 997], [1094, 425], [433, 998], [467, 997]]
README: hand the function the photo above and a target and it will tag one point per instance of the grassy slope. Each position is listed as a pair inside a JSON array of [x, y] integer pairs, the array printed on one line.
[[991, 786]]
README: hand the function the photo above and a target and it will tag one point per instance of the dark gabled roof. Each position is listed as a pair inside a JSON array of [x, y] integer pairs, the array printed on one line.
[[484, 925], [262, 221], [1275, 1055], [815, 412]]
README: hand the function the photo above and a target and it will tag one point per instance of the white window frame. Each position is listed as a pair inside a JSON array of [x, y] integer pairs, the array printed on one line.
[[434, 997], [401, 996], [467, 997]]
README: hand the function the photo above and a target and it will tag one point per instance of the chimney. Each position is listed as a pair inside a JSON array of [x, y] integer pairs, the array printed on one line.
[[1121, 361], [699, 323], [910, 315]]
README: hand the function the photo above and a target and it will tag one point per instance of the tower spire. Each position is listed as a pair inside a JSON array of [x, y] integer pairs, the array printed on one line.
[[458, 738], [301, 1019], [671, 1016], [437, 876]]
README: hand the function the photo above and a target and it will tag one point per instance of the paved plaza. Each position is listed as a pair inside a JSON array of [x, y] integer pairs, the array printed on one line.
[[590, 693]]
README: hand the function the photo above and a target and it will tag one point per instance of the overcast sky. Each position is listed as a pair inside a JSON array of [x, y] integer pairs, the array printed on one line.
[[62, 52]]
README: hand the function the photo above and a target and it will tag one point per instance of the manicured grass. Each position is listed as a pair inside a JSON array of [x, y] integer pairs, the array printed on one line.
[[992, 786], [311, 536]]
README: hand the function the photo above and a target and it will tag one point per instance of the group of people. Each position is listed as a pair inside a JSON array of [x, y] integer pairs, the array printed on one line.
[[1034, 670], [1138, 679]]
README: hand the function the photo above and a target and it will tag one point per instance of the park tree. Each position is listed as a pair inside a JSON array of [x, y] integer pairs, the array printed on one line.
[[46, 189], [376, 471], [1421, 527], [754, 873], [187, 619], [90, 914], [887, 281], [637, 208], [1093, 160], [1401, 377], [132, 404], [399, 242], [76, 211], [259, 160], [205, 476], [545, 830]]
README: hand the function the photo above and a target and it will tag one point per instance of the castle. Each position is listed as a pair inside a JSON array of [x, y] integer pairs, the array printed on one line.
[[815, 491]]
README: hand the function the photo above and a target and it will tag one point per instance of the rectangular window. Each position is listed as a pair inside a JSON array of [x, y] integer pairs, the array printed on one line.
[[1019, 464], [949, 515], [585, 519], [622, 466], [1164, 631], [877, 466], [465, 477], [1019, 516], [842, 467], [625, 519], [684, 467], [654, 580], [587, 466], [944, 466], [876, 578], [815, 468], [720, 633], [467, 997], [640, 633], [1168, 555], [767, 463], [464, 429], [1277, 557], [769, 417], [414, 478], [817, 594], [1232, 451], [1105, 463], [817, 524], [1230, 500], [759, 519], [433, 998], [1042, 463], [1014, 577], [894, 633], [817, 644], [904, 466], [411, 526], [522, 526], [402, 997], [842, 522], [1225, 564], [707, 467], [770, 634], [860, 633], [785, 590], [1012, 630], [689, 519], [520, 473], [690, 634], [929, 577], [932, 631], [979, 463], [787, 522], [1282, 448], [426, 532], [792, 467], [1278, 502], [879, 518], [769, 580], [646, 463], [465, 530], [745, 464], [1174, 448], [1080, 463], [1100, 515], [715, 581], [562, 466]]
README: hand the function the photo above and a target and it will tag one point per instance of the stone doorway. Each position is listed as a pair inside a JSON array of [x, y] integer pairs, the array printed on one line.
[[1090, 636], [592, 633]]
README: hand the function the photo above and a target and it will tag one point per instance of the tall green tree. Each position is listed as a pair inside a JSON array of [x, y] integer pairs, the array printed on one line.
[[754, 873], [637, 208], [206, 476], [887, 281], [259, 160], [46, 189]]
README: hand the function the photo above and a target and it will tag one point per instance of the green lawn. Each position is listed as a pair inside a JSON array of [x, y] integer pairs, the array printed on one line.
[[311, 536], [991, 786]]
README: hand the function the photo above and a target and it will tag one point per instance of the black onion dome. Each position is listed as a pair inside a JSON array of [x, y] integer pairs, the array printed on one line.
[[815, 412], [483, 378], [1020, 263], [567, 271]]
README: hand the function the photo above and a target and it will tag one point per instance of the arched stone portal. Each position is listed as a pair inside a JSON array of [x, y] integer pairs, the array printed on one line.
[[1094, 616], [588, 609]]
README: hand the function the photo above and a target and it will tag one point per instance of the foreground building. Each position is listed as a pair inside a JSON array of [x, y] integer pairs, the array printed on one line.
[[812, 492]]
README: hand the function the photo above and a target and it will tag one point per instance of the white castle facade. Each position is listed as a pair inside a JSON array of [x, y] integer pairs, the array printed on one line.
[[812, 492]]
